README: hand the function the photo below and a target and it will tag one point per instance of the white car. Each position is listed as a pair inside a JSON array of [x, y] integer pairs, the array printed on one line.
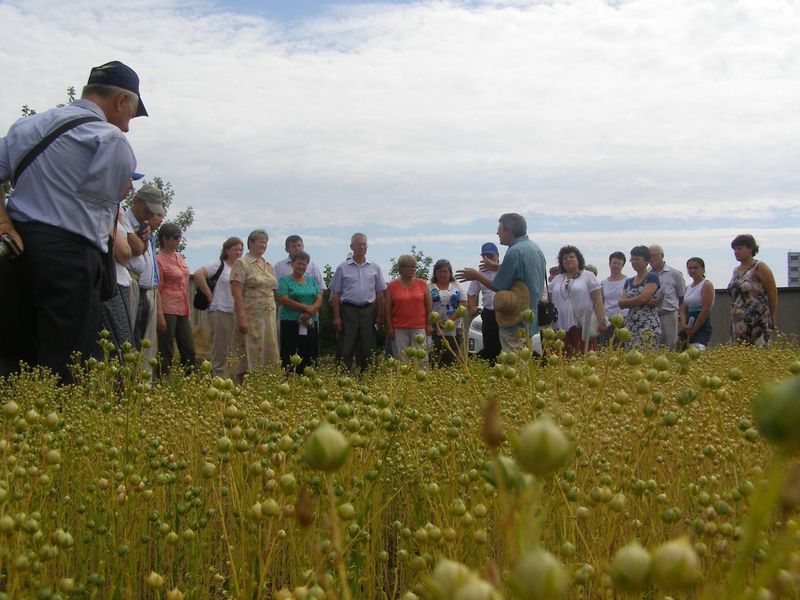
[[475, 339]]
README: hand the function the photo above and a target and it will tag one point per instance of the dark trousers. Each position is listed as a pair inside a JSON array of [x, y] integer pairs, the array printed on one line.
[[142, 317], [490, 333], [49, 301], [305, 346], [179, 329], [357, 337]]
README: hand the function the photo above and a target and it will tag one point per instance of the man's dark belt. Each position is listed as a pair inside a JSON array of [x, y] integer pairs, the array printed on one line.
[[354, 305]]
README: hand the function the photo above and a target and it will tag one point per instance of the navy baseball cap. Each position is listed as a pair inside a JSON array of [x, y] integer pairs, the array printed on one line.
[[120, 75], [136, 176], [489, 248]]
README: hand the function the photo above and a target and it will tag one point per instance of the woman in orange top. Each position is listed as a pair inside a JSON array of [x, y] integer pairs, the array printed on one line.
[[174, 324], [408, 305]]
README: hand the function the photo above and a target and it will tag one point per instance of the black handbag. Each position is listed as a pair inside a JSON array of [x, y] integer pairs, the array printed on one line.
[[200, 302], [546, 312]]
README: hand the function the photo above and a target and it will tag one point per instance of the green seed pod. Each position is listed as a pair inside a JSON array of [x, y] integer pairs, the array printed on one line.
[[777, 414], [676, 565], [541, 447], [326, 448], [539, 576], [154, 581], [631, 568]]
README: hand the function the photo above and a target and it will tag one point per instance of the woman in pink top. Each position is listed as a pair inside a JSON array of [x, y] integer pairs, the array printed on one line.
[[408, 305], [174, 324]]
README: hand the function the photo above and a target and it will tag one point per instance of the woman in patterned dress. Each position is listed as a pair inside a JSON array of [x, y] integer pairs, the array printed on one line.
[[253, 285], [640, 295], [446, 296], [754, 296]]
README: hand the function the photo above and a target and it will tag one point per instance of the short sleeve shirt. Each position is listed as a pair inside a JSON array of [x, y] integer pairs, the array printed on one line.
[[358, 284], [173, 284], [304, 293], [408, 304], [222, 300], [487, 295], [673, 286]]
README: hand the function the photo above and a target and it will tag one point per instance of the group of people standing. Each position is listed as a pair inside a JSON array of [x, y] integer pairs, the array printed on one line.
[[658, 307], [62, 233]]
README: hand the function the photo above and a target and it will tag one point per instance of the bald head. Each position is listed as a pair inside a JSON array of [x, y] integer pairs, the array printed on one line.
[[656, 257]]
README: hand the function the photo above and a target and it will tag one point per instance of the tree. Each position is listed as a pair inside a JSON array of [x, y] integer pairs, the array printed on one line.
[[423, 264]]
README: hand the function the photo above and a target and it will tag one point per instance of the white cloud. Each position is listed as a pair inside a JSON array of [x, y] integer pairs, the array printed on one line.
[[443, 111]]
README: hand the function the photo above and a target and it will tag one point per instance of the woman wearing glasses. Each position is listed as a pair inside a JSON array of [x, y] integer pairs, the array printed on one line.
[[577, 296], [640, 295], [174, 324]]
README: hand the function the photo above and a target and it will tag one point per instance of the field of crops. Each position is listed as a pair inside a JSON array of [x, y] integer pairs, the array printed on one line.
[[617, 473]]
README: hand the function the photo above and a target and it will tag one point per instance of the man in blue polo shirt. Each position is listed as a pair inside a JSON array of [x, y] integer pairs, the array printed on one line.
[[524, 261], [60, 215]]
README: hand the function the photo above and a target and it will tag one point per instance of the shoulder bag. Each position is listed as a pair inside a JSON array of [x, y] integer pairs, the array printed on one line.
[[200, 302], [546, 312], [108, 267]]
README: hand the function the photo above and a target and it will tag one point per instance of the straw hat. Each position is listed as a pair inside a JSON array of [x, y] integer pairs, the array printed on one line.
[[509, 304]]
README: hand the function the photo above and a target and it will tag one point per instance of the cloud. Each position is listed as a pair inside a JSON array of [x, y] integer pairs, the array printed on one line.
[[393, 115]]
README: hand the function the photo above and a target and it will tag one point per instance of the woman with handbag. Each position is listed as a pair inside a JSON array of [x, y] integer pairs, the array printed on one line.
[[214, 290], [579, 301]]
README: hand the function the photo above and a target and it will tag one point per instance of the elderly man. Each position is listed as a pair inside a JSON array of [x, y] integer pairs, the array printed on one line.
[[357, 300], [523, 261], [69, 167], [490, 333], [142, 220], [674, 287]]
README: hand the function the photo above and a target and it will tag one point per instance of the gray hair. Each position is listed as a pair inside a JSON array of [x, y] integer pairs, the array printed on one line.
[[256, 233], [108, 91], [515, 223], [355, 236]]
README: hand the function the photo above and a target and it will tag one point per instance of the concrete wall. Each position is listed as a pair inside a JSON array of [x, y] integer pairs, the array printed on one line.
[[788, 314]]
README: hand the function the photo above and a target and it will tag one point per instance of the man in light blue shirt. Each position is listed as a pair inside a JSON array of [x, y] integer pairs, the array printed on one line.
[[357, 301], [60, 214], [525, 261]]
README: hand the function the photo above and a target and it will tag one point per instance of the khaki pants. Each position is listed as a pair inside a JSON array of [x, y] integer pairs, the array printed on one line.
[[669, 329], [221, 336], [510, 341]]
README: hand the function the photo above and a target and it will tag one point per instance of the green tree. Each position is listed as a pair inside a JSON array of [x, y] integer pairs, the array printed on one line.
[[424, 263]]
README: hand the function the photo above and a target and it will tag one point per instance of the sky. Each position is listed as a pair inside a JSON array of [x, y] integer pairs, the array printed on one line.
[[607, 124]]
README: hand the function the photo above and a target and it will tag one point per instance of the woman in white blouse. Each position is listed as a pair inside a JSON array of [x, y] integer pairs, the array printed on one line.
[[612, 292], [220, 302], [577, 296]]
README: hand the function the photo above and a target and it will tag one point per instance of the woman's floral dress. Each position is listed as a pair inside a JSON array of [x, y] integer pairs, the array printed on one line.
[[259, 346], [642, 321], [750, 318]]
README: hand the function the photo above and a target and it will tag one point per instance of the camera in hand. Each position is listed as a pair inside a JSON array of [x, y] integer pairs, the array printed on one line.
[[8, 247]]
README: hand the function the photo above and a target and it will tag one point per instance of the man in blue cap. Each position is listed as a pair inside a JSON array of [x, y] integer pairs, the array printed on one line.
[[490, 333], [69, 167]]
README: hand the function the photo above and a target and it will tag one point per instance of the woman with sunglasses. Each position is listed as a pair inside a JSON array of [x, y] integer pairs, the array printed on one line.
[[174, 323]]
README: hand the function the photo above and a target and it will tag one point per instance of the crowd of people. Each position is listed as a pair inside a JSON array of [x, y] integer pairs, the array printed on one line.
[[73, 263]]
